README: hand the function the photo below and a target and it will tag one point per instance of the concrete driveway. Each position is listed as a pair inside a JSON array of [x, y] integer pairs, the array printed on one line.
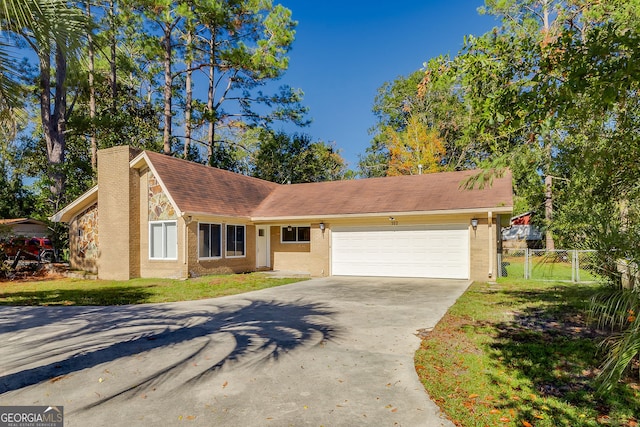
[[327, 352]]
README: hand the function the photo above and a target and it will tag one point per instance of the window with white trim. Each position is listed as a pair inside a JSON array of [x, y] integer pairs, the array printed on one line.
[[163, 240], [296, 234], [235, 241], [209, 240]]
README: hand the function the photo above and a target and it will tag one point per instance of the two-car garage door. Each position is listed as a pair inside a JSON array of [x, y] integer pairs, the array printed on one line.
[[401, 251]]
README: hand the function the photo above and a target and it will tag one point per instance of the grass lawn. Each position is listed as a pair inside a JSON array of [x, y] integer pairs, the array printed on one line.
[[135, 291], [520, 353], [543, 269]]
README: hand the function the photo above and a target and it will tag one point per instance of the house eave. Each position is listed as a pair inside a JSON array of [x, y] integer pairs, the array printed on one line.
[[326, 217], [194, 215], [68, 212], [20, 221]]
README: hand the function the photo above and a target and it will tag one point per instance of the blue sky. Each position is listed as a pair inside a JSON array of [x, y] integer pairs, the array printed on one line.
[[346, 49]]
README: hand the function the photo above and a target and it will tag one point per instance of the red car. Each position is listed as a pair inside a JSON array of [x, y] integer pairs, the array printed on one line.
[[29, 248]]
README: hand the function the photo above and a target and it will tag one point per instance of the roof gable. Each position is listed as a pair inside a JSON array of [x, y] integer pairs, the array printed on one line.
[[197, 188]]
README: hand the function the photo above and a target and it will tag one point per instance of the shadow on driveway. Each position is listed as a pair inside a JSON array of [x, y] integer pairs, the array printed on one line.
[[53, 343]]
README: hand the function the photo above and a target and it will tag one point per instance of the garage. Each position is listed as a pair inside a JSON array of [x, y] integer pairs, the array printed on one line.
[[434, 251]]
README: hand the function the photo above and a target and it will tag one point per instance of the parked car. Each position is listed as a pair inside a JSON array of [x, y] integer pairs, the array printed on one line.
[[33, 248]]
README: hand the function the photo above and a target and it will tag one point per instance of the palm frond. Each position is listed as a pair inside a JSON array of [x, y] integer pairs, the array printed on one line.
[[622, 350], [617, 309], [611, 309], [44, 23], [9, 75]]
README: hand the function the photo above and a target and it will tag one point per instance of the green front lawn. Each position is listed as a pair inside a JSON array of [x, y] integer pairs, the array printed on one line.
[[543, 269], [520, 353], [135, 291]]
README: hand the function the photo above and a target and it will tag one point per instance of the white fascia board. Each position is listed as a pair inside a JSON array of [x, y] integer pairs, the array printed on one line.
[[82, 202], [475, 211], [204, 216]]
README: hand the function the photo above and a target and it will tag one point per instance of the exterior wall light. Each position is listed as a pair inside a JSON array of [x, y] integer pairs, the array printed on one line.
[[474, 223], [289, 228], [322, 226]]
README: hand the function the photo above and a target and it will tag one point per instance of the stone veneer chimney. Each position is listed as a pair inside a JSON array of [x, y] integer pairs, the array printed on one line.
[[118, 214]]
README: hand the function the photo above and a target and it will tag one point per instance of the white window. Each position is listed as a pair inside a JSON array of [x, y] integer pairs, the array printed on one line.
[[163, 240], [209, 240], [296, 234], [235, 241]]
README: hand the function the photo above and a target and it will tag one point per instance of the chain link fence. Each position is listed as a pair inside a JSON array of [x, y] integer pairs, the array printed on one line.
[[557, 265]]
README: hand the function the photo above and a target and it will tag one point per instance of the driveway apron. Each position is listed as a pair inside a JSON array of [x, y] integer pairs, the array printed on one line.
[[325, 352]]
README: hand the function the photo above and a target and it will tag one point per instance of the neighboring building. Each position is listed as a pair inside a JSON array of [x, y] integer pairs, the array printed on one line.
[[25, 227], [521, 233], [153, 215]]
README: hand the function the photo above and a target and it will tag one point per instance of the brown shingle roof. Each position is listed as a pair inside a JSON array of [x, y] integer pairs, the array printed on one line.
[[12, 221], [203, 189], [198, 188], [415, 193]]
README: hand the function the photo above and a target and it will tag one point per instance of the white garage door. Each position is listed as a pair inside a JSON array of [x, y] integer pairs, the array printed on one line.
[[401, 251]]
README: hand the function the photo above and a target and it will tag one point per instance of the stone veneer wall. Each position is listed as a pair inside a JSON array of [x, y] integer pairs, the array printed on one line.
[[88, 232], [83, 240], [160, 208]]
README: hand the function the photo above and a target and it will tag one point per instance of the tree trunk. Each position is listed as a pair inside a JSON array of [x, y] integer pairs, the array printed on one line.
[[54, 123], [210, 96], [168, 80], [92, 95], [548, 211], [189, 97], [113, 63]]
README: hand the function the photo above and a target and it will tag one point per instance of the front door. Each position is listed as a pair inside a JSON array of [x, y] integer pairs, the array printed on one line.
[[262, 247]]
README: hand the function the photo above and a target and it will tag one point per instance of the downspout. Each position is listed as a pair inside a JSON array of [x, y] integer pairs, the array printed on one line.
[[185, 247], [491, 254]]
